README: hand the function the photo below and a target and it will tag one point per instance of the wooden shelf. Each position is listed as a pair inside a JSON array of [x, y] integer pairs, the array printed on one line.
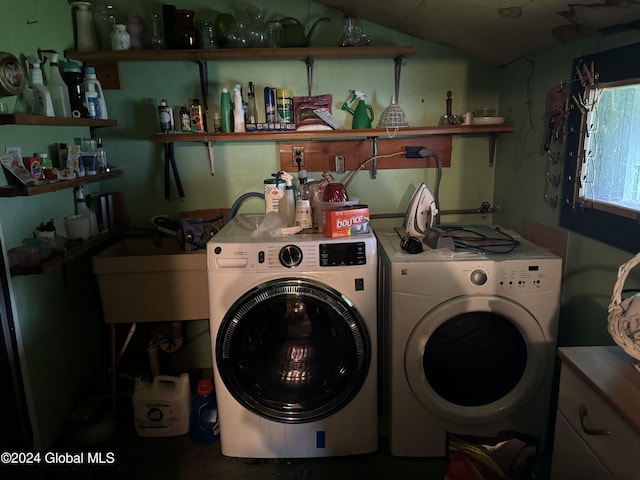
[[332, 134], [55, 185], [26, 119], [338, 53], [107, 63], [70, 254]]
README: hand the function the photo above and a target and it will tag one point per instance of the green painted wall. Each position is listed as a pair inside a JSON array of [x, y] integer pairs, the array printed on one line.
[[64, 338], [591, 267]]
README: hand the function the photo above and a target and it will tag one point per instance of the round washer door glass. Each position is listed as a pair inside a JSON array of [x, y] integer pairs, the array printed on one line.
[[293, 351], [475, 359]]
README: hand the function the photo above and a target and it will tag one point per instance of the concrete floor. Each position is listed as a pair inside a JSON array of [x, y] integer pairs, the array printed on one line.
[[178, 458]]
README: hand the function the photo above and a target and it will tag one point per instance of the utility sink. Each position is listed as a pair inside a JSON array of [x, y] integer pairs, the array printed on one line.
[[145, 280]]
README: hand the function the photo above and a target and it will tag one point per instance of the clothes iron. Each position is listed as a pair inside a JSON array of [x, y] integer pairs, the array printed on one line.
[[421, 213]]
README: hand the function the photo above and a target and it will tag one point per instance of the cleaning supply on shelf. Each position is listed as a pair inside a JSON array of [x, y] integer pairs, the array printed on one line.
[[287, 204], [195, 114], [56, 86], [225, 110], [73, 77], [284, 105], [304, 217], [238, 110], [204, 426], [185, 120], [42, 103], [270, 105], [101, 157], [94, 94], [165, 116], [251, 115]]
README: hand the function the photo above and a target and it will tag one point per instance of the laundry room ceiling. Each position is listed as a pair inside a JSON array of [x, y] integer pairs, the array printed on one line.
[[496, 31]]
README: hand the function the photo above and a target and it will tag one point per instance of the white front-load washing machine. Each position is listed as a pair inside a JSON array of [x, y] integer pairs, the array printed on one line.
[[468, 338], [294, 339]]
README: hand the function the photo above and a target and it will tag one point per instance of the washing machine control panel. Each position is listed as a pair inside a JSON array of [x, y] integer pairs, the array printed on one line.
[[478, 277], [290, 256]]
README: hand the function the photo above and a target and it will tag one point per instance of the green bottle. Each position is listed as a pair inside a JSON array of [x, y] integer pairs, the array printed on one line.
[[225, 111]]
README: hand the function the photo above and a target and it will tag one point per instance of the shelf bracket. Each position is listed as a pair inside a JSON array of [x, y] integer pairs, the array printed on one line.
[[309, 61], [204, 81], [492, 147], [373, 172], [170, 162]]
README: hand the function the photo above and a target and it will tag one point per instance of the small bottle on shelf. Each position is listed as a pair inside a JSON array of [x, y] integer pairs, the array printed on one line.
[[101, 157]]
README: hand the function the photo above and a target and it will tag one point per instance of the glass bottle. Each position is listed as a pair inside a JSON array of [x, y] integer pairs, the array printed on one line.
[[186, 32], [106, 16], [157, 38], [134, 27], [208, 35]]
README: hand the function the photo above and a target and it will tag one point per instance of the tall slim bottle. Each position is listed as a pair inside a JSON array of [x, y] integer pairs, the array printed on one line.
[[225, 111]]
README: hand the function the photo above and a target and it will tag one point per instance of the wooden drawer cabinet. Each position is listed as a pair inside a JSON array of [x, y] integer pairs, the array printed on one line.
[[597, 432]]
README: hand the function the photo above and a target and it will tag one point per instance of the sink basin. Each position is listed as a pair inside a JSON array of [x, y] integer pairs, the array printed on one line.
[[141, 280]]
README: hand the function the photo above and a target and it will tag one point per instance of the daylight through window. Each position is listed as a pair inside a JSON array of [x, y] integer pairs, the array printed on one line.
[[610, 170]]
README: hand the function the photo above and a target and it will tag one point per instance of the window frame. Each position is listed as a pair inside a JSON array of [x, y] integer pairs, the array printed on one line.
[[604, 225]]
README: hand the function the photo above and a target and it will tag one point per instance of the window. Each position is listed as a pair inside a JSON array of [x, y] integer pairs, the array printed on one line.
[[601, 190], [610, 171]]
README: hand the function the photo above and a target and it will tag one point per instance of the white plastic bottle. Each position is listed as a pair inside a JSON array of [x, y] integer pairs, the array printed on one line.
[[287, 204], [42, 103], [56, 86], [304, 217], [92, 85], [83, 209], [238, 110]]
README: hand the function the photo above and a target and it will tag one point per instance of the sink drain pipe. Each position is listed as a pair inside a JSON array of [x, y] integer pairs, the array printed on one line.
[[164, 344]]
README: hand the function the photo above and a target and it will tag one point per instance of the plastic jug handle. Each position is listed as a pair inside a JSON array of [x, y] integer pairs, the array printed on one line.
[[164, 378], [370, 110]]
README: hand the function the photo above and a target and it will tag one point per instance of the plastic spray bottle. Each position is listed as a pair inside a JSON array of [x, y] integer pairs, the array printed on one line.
[[56, 86], [42, 103], [304, 219], [287, 204], [238, 110]]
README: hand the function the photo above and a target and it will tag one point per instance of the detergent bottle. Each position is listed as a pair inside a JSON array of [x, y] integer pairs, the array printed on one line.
[[56, 86], [363, 113], [42, 103], [287, 204]]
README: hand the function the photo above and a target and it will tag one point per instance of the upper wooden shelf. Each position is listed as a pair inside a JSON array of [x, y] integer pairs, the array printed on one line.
[[333, 134], [26, 119], [242, 54]]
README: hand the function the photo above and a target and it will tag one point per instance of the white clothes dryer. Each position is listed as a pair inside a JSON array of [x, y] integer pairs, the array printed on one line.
[[293, 333], [468, 340]]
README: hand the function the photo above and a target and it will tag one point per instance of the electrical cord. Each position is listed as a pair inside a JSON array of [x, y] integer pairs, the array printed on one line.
[[366, 162], [467, 238], [409, 244]]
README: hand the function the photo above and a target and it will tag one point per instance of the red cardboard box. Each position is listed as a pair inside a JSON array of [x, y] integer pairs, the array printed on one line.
[[346, 221]]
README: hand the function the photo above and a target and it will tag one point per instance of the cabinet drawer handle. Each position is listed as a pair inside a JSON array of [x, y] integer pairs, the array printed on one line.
[[587, 430]]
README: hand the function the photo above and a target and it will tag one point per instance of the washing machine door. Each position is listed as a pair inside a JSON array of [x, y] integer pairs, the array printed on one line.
[[293, 350], [476, 359]]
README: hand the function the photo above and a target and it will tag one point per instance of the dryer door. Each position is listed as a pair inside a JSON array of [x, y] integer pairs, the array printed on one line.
[[476, 358], [293, 351]]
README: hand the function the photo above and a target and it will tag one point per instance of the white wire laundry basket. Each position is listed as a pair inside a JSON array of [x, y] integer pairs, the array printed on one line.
[[624, 316]]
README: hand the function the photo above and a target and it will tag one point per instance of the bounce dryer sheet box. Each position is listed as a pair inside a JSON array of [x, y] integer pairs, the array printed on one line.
[[346, 221]]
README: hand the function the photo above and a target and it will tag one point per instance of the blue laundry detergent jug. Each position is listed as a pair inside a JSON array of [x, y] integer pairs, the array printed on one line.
[[203, 422]]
